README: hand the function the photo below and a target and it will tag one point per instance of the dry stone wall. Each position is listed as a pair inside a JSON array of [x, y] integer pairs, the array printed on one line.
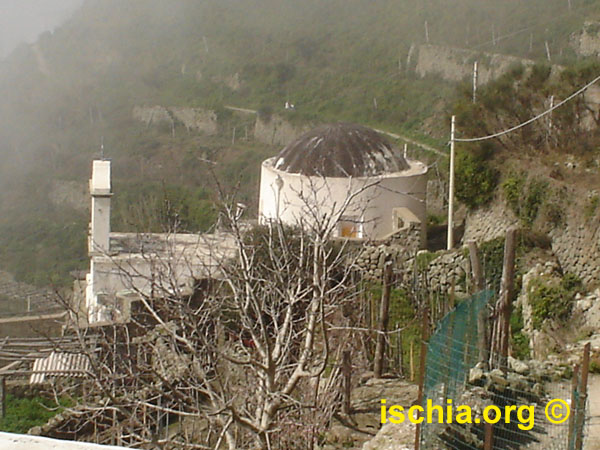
[[576, 245], [449, 270], [587, 41], [400, 248], [488, 223], [456, 64], [577, 248], [277, 131], [193, 119]]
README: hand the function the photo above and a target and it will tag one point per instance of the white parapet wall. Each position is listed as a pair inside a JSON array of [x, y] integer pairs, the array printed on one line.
[[9, 441]]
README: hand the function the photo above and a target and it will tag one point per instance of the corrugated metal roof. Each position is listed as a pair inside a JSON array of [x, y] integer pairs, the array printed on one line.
[[59, 365]]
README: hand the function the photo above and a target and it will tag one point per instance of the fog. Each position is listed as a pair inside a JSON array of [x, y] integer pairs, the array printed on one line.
[[24, 20]]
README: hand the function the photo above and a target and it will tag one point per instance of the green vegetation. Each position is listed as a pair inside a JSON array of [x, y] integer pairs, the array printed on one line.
[[402, 314], [424, 258], [552, 301], [519, 340], [591, 206], [526, 197], [476, 180], [155, 208], [25, 413]]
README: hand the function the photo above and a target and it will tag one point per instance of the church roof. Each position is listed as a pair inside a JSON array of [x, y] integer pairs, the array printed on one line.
[[341, 150]]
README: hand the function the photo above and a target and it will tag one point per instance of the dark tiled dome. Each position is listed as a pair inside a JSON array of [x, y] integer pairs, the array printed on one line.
[[340, 150]]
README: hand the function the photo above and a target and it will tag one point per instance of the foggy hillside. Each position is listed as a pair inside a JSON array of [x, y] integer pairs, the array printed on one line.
[[335, 60], [24, 20]]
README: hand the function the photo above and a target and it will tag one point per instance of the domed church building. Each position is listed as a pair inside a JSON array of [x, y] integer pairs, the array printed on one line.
[[349, 173]]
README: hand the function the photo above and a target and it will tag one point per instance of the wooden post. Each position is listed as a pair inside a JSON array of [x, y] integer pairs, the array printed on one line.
[[426, 32], [580, 411], [475, 82], [476, 267], [384, 310], [488, 442], [451, 186], [550, 116], [503, 310], [574, 385], [412, 360], [547, 51], [400, 353], [347, 373], [482, 317], [2, 397], [424, 337]]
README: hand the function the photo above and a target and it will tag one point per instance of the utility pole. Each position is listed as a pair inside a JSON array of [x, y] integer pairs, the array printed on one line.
[[475, 82], [547, 51], [426, 32], [451, 187], [530, 42]]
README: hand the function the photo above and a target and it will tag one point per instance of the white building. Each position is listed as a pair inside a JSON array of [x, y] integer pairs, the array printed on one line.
[[9, 441], [125, 267], [348, 172]]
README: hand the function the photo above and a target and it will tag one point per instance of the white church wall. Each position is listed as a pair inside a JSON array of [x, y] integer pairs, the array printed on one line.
[[290, 197]]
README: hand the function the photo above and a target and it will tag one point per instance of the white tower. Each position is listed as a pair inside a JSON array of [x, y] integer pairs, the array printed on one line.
[[99, 239]]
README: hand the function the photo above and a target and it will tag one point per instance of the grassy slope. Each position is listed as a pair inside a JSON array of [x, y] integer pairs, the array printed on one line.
[[331, 58]]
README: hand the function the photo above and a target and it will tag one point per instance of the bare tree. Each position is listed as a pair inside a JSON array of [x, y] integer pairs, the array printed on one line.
[[235, 359]]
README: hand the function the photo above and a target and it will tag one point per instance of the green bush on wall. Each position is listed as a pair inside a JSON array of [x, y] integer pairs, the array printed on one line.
[[552, 301], [475, 180]]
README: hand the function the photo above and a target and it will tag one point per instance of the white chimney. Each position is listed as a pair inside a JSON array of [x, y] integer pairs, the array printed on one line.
[[99, 242]]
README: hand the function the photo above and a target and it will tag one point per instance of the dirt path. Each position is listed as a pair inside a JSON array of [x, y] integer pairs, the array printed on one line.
[[592, 441]]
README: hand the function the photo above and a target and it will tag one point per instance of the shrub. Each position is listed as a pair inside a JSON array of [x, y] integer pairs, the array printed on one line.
[[475, 180], [513, 187], [591, 206], [525, 200], [536, 193], [519, 340], [552, 301]]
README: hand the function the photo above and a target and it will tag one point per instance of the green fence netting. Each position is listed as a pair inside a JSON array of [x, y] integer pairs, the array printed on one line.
[[452, 373]]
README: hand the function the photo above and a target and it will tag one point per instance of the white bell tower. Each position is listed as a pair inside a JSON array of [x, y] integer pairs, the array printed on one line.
[[99, 239]]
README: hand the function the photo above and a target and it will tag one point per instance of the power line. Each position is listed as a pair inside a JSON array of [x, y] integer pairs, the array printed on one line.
[[533, 119]]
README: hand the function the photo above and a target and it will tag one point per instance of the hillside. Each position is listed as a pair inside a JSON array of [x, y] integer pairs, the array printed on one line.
[[335, 60]]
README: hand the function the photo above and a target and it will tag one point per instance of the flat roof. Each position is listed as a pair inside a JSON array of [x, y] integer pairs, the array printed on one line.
[[10, 441]]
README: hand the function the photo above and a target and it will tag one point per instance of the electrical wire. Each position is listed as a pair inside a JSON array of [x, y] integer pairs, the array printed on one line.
[[533, 119]]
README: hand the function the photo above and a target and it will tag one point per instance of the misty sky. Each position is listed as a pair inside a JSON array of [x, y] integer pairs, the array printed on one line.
[[25, 20]]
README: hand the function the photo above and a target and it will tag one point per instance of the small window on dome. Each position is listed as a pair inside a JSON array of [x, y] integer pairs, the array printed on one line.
[[350, 227]]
